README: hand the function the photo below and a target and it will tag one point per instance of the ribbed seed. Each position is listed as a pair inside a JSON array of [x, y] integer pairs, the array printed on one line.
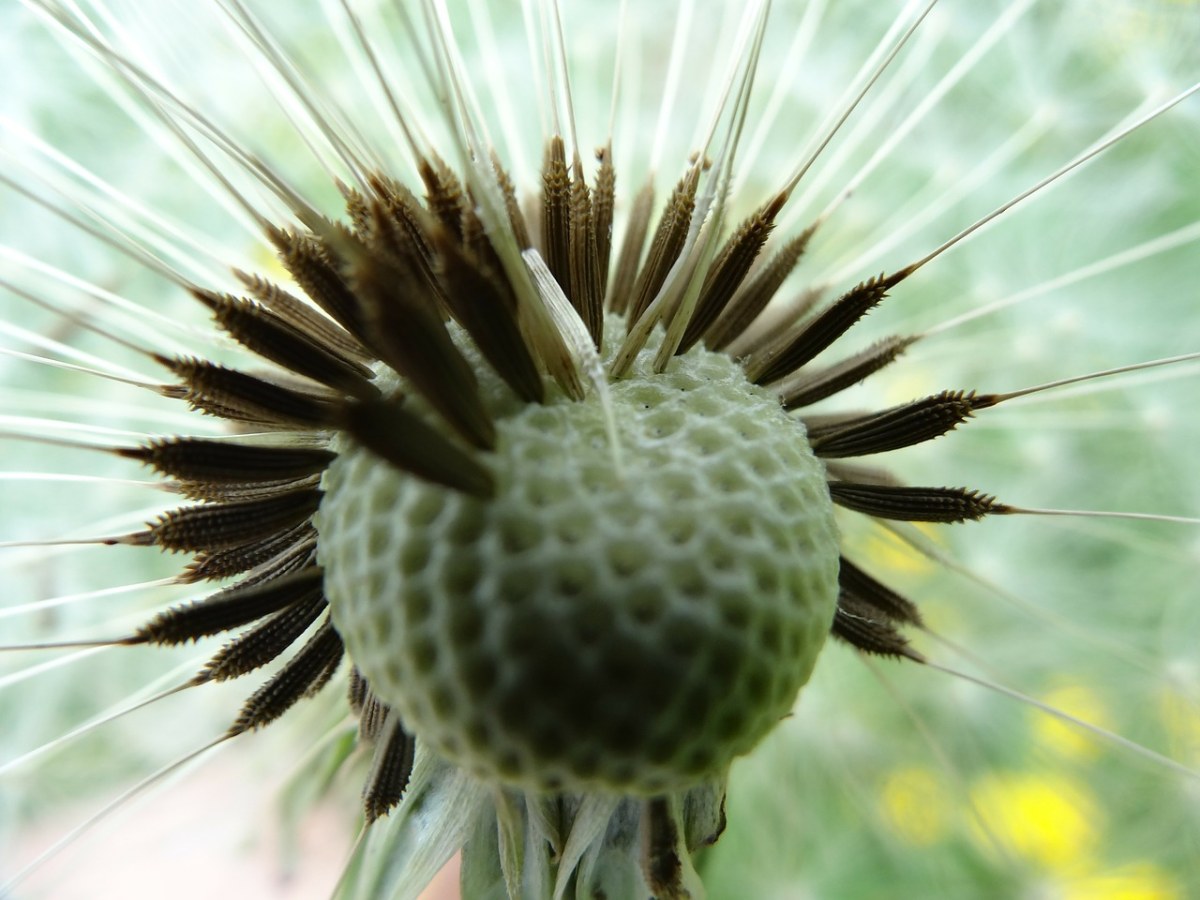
[[856, 583], [230, 608], [291, 309], [915, 504], [215, 565], [209, 527], [902, 426], [265, 642], [794, 350], [556, 213], [620, 291], [404, 439], [302, 676], [230, 394], [729, 269], [667, 244], [756, 292], [391, 768], [805, 387], [200, 460]]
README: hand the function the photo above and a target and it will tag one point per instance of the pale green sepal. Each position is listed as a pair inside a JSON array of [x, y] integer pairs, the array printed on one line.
[[407, 848]]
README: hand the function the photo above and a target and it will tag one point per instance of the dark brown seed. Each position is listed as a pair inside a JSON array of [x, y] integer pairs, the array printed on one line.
[[729, 269], [857, 625], [358, 690], [208, 527], [585, 292], [667, 244], [302, 676], [310, 261], [262, 332], [291, 309], [411, 337], [265, 642], [556, 213], [902, 426], [391, 768], [620, 291], [217, 492], [373, 716], [756, 292], [443, 193], [603, 201], [230, 394], [396, 203], [229, 609], [807, 387], [795, 348], [212, 566], [516, 218], [856, 583], [200, 460], [402, 438], [915, 504], [485, 306]]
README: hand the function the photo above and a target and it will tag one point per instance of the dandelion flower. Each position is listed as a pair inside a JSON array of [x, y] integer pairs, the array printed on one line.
[[527, 471]]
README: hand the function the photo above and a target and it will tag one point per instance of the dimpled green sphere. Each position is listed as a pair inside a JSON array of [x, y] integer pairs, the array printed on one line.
[[625, 621]]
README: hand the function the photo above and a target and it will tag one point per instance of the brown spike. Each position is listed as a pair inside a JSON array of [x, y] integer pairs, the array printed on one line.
[[856, 583], [402, 229], [443, 193], [197, 459], [389, 430], [315, 268], [603, 202], [854, 623], [516, 218], [230, 394], [357, 209], [230, 608], [756, 292], [668, 242], [220, 564], [372, 717], [302, 676], [901, 426], [225, 492], [805, 387], [915, 504], [301, 315], [620, 291], [484, 304], [358, 690], [391, 768], [264, 643], [411, 337], [478, 245], [585, 292], [556, 213], [795, 348], [208, 527], [729, 269]]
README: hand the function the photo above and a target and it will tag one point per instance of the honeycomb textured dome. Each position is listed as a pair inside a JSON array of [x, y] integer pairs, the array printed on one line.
[[626, 626]]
